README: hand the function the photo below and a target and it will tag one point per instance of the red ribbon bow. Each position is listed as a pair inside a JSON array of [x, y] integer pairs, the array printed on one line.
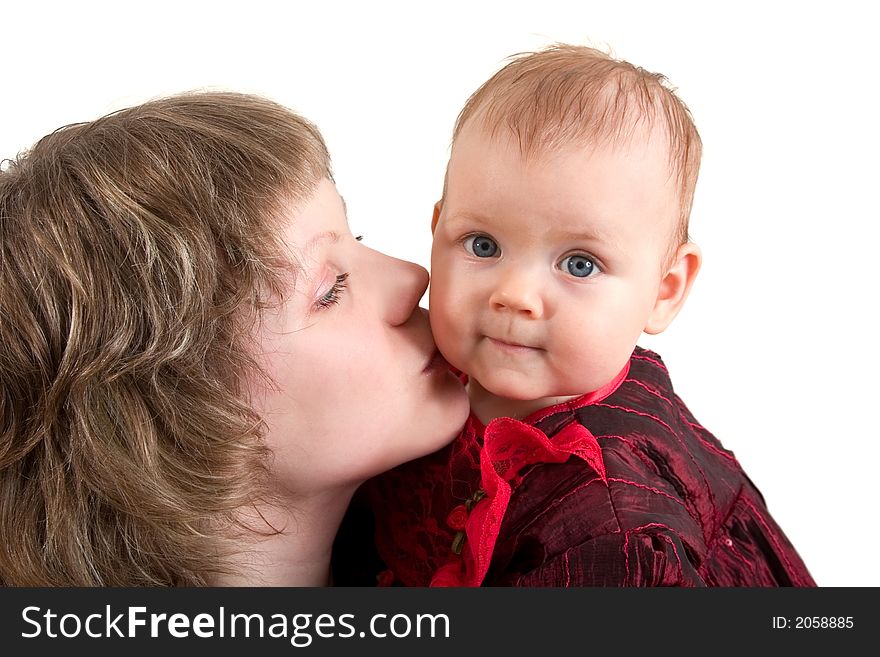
[[508, 446]]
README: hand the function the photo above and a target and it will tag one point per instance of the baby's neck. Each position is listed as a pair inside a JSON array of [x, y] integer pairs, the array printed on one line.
[[488, 406]]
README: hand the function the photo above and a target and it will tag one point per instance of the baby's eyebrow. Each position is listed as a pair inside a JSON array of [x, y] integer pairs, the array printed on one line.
[[466, 218], [586, 235]]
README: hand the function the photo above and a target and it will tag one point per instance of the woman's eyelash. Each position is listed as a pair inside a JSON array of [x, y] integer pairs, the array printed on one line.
[[331, 297], [359, 238]]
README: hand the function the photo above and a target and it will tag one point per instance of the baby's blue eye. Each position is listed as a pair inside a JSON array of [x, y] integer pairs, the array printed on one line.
[[579, 266], [481, 246]]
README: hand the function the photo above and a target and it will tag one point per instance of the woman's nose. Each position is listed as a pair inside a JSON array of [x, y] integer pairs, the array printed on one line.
[[403, 285]]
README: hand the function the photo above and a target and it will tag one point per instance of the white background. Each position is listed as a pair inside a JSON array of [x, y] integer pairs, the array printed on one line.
[[773, 352]]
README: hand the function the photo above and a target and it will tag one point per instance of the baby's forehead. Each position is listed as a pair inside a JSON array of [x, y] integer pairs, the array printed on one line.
[[584, 186], [555, 153]]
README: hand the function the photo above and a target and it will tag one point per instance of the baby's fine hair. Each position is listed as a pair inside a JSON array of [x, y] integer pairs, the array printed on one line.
[[568, 94], [136, 252]]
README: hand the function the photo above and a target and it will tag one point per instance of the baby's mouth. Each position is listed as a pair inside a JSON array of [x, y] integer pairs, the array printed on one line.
[[511, 346]]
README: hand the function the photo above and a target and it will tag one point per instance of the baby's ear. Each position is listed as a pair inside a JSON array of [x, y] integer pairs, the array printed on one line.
[[675, 287], [437, 207]]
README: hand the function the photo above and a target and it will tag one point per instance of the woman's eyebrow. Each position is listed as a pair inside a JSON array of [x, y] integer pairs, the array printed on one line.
[[330, 235]]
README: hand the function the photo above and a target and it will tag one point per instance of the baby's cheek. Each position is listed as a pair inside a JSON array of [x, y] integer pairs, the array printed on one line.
[[457, 347], [584, 359], [444, 330]]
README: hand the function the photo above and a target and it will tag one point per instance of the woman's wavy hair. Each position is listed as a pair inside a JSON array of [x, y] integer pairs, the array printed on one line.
[[136, 252]]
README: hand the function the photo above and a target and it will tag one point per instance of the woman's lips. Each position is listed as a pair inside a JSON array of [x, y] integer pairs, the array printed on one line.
[[436, 363]]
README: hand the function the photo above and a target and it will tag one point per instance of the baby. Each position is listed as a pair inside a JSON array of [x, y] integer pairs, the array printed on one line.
[[561, 236]]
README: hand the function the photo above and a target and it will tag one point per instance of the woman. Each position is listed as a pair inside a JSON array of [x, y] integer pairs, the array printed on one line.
[[200, 363]]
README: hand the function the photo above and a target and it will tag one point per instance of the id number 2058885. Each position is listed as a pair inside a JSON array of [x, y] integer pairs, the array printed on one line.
[[813, 622]]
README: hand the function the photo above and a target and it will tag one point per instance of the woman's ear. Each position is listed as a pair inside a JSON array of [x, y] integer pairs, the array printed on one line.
[[437, 207], [675, 287]]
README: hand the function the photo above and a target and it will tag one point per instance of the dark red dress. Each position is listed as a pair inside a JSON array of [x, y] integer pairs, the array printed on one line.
[[620, 487]]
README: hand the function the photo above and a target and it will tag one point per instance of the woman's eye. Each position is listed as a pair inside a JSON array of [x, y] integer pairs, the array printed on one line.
[[481, 246], [579, 266], [331, 296]]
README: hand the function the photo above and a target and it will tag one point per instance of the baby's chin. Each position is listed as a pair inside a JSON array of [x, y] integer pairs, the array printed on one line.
[[517, 392]]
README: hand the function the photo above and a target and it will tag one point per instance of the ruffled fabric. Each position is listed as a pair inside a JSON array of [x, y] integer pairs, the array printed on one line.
[[509, 446]]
